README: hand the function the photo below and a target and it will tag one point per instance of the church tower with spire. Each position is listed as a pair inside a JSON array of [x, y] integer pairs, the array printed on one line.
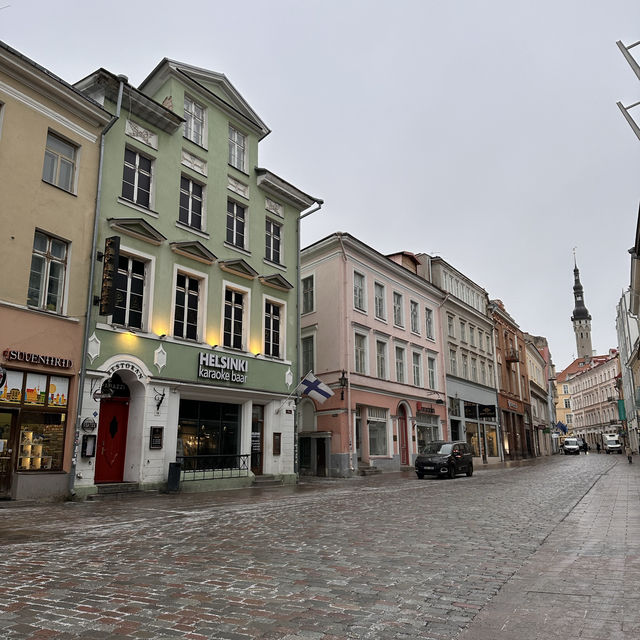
[[580, 318]]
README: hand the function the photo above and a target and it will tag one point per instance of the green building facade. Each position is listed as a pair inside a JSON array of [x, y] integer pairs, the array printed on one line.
[[193, 333]]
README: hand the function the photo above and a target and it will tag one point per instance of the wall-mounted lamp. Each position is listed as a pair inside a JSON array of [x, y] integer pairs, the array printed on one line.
[[213, 346], [162, 336], [343, 383]]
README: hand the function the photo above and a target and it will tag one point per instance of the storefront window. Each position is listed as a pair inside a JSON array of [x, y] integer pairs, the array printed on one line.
[[209, 428], [11, 392], [472, 437], [426, 433], [492, 440], [377, 438], [41, 441]]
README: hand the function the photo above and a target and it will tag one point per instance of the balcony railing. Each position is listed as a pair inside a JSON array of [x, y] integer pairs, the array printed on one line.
[[512, 355], [213, 467]]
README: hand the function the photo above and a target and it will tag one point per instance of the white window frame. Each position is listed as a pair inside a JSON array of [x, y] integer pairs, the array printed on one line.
[[148, 290], [137, 173], [234, 216], [359, 291], [203, 282], [398, 309], [282, 343], [190, 116], [453, 362], [305, 337], [238, 149], [270, 238], [382, 369], [414, 312], [60, 159], [246, 313], [379, 295], [416, 368], [465, 366], [432, 370], [304, 298], [364, 369], [428, 323], [48, 258], [463, 331], [401, 364], [193, 198], [451, 329]]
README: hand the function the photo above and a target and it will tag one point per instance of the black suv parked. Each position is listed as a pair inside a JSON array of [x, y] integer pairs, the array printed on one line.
[[444, 459]]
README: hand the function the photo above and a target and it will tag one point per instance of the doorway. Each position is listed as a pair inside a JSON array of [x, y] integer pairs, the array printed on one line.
[[404, 441], [7, 456], [257, 439]]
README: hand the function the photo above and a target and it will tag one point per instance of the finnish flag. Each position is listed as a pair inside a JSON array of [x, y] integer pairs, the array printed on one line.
[[314, 388]]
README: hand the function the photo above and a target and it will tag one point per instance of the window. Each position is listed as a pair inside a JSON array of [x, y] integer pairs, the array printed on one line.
[[272, 241], [381, 359], [472, 336], [415, 317], [483, 373], [488, 343], [48, 269], [569, 418], [233, 319], [308, 360], [136, 178], [235, 224], [398, 318], [480, 340], [194, 115], [185, 321], [465, 366], [565, 388], [417, 369], [190, 203], [474, 369], [428, 315], [377, 422], [358, 291], [272, 324], [431, 371], [237, 149], [567, 403], [453, 362], [129, 302], [380, 310], [463, 331], [450, 330], [59, 163], [490, 378], [400, 364], [360, 353], [307, 295]]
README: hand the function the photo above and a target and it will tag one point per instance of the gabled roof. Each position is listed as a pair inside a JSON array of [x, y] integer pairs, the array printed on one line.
[[239, 267], [193, 249], [274, 185], [137, 228], [277, 281], [211, 85]]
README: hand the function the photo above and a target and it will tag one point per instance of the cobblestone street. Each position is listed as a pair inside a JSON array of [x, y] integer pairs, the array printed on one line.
[[386, 556]]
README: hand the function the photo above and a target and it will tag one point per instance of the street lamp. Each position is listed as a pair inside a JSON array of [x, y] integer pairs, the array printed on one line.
[[343, 383]]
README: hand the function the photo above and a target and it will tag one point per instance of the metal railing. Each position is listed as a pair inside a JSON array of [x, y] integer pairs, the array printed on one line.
[[213, 467]]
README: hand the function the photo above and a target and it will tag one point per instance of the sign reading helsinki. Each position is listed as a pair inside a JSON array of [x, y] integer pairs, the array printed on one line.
[[215, 367]]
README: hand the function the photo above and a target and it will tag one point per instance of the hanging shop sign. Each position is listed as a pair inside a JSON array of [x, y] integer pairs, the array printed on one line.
[[225, 368], [111, 258], [13, 355]]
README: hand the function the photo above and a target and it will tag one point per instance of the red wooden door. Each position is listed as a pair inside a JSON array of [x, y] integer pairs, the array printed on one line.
[[112, 440], [404, 441]]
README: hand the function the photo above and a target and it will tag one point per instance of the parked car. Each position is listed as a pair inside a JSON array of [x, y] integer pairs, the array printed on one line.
[[442, 459], [571, 446]]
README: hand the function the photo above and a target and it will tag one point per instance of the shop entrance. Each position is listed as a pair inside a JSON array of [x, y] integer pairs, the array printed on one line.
[[404, 441], [6, 452], [112, 432]]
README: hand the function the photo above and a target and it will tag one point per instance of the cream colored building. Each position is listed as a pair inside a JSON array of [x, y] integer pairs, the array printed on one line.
[[49, 162]]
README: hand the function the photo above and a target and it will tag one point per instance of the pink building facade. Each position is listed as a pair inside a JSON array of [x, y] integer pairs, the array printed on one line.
[[370, 329]]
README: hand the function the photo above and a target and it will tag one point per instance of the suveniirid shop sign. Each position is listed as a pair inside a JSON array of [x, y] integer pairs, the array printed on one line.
[[13, 355], [226, 368]]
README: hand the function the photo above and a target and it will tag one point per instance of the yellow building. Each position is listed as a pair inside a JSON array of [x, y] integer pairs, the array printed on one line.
[[50, 138]]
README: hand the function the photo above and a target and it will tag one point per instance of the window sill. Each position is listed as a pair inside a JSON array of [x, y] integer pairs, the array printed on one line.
[[195, 144], [242, 171], [275, 265], [138, 207], [51, 184], [197, 232], [236, 248], [44, 312]]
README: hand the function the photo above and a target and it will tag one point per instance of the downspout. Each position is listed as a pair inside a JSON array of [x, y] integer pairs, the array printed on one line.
[[350, 422], [303, 214], [92, 261]]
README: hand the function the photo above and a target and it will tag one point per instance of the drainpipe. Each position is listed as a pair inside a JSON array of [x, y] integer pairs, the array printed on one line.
[[303, 214], [92, 261]]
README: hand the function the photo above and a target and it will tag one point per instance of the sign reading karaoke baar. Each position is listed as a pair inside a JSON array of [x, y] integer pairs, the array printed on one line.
[[215, 367]]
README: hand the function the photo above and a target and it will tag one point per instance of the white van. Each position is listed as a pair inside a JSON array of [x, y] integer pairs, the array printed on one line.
[[611, 442], [571, 446]]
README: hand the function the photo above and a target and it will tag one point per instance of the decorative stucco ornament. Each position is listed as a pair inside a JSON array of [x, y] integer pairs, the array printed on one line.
[[288, 378], [160, 358], [93, 349]]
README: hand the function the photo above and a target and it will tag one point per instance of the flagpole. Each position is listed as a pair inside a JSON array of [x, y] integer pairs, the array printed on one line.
[[292, 392]]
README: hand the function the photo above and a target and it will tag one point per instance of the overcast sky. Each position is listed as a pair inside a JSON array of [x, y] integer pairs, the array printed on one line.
[[484, 132]]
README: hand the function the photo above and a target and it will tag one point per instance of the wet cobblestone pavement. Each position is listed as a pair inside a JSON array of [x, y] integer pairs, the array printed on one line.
[[382, 557]]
